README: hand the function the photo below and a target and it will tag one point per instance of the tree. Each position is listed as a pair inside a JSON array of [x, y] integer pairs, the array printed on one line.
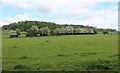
[[95, 31], [57, 31], [45, 31], [83, 30], [90, 30], [13, 26], [77, 30], [13, 33], [62, 30], [33, 31], [18, 31], [30, 33], [69, 30]]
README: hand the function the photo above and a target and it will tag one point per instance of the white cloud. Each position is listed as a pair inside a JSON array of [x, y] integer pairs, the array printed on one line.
[[9, 19], [2, 23], [101, 19], [16, 18], [68, 11]]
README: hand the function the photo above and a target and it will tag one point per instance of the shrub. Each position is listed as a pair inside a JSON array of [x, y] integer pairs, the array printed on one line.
[[90, 30], [57, 31], [45, 31], [63, 30], [69, 30], [13, 33], [77, 30], [105, 32], [29, 33], [33, 31], [18, 31]]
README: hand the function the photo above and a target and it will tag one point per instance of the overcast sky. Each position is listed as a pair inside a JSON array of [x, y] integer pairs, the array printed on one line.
[[98, 13]]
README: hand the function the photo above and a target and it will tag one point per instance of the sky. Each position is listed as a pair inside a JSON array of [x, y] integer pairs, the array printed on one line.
[[96, 13]]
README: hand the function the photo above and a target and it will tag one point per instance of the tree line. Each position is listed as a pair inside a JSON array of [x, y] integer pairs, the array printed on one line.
[[25, 25], [69, 30], [35, 28]]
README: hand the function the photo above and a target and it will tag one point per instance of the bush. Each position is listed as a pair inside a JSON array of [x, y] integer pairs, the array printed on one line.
[[13, 33], [77, 30], [69, 30], [57, 31], [45, 31], [90, 30], [105, 32], [18, 31], [29, 33], [33, 31]]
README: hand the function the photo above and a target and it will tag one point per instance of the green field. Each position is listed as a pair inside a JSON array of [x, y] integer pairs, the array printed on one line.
[[60, 53], [0, 50]]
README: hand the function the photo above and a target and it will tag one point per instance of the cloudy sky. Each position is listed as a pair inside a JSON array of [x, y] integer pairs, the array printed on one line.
[[98, 13]]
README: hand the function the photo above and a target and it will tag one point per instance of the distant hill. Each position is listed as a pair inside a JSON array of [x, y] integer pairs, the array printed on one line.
[[24, 25]]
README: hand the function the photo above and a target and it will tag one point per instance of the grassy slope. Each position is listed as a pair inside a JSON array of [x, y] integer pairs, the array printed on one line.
[[70, 52]]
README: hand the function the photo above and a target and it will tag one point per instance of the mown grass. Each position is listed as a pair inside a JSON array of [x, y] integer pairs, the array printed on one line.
[[60, 53]]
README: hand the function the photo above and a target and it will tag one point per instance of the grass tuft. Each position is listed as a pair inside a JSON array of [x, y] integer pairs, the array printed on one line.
[[24, 57]]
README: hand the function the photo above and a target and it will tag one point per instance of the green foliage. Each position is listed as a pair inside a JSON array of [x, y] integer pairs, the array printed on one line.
[[13, 34], [25, 25], [45, 31], [30, 33], [77, 30], [18, 31], [105, 32], [36, 28], [33, 31], [57, 31], [69, 30]]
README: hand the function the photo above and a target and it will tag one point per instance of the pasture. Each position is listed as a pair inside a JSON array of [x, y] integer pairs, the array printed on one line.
[[0, 50], [60, 53]]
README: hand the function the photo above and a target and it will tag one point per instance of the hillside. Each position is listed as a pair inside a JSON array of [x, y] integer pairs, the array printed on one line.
[[24, 25]]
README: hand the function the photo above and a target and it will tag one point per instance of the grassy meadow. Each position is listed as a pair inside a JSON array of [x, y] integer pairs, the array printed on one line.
[[0, 50], [60, 53]]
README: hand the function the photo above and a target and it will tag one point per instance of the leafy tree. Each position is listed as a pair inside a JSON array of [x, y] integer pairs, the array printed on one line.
[[69, 30], [77, 30], [13, 33], [33, 31], [18, 31], [89, 30], [95, 31], [13, 26], [57, 31], [30, 33], [45, 31], [62, 30]]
